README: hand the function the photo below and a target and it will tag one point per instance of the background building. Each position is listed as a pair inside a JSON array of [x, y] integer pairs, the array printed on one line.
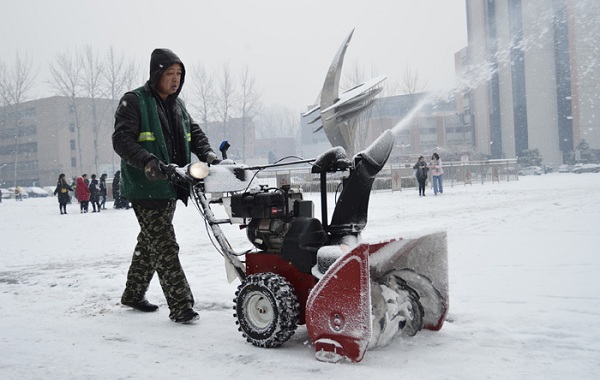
[[42, 138], [531, 76]]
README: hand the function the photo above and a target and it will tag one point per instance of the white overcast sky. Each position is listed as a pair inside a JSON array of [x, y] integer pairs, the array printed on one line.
[[287, 45]]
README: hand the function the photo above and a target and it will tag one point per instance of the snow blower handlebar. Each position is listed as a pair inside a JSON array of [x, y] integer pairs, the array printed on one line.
[[194, 175], [173, 171]]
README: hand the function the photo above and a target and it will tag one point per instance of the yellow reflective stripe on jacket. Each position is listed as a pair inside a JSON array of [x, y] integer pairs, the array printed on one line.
[[146, 136], [189, 137]]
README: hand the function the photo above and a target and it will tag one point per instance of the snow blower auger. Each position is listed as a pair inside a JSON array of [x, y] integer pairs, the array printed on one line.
[[350, 294]]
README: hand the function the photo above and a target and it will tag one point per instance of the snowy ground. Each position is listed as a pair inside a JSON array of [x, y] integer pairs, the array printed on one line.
[[523, 266]]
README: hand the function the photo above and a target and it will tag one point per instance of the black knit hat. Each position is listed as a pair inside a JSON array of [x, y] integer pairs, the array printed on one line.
[[161, 60]]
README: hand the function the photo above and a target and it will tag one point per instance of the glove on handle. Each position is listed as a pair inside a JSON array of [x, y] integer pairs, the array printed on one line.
[[152, 170], [211, 158]]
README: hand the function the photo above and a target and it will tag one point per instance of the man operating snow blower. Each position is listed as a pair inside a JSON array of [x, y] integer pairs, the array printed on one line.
[[152, 126]]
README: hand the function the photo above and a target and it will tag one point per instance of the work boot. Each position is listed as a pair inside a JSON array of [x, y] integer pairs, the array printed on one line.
[[142, 305], [187, 316]]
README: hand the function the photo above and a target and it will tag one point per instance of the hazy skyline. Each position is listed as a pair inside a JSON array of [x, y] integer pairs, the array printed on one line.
[[287, 46]]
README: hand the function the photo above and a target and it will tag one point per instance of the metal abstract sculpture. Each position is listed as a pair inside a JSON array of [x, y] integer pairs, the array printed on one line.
[[339, 114]]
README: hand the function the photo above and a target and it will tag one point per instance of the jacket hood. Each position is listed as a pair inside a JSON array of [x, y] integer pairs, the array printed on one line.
[[160, 61]]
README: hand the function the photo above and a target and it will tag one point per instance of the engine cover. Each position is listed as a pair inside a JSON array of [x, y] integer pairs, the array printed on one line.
[[267, 234], [270, 204]]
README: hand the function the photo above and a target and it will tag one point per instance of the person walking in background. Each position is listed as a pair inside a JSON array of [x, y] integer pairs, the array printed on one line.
[[102, 187], [153, 127], [437, 172], [18, 193], [83, 194], [62, 190], [94, 194], [421, 170], [116, 191], [73, 186]]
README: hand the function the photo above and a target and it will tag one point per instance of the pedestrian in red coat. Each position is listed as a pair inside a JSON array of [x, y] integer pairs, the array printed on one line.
[[83, 194]]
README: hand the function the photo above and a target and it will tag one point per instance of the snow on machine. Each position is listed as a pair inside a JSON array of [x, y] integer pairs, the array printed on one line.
[[302, 270]]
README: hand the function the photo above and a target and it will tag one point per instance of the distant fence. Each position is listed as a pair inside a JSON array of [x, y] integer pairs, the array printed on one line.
[[396, 177]]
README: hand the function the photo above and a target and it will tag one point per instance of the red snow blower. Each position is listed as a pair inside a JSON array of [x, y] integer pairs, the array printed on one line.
[[301, 269]]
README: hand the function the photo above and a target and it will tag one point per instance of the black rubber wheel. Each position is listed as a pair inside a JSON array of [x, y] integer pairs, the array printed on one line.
[[266, 309]]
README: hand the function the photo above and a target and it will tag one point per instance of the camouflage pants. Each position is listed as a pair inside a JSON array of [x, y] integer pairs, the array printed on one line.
[[157, 251]]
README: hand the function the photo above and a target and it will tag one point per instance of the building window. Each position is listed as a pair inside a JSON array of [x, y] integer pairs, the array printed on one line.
[[29, 112], [71, 127], [71, 108], [73, 145], [73, 162], [28, 130]]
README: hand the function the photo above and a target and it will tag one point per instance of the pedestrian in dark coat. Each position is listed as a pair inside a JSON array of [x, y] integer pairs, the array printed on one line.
[[94, 194], [62, 190], [116, 191], [421, 170], [103, 191], [83, 194]]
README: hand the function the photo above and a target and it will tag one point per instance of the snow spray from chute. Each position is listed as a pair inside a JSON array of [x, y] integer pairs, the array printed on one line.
[[405, 122]]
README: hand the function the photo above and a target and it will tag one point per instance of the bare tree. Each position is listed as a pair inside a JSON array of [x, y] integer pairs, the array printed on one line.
[[204, 95], [225, 98], [15, 83], [92, 87], [277, 121], [119, 76], [411, 83], [3, 78], [249, 103], [66, 79]]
